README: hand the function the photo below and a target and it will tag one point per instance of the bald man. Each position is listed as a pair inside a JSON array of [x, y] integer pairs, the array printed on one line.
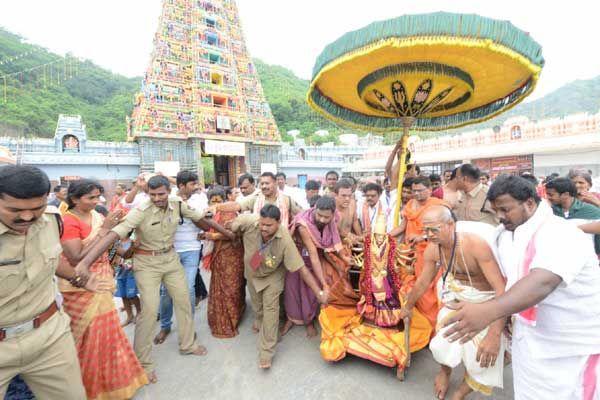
[[470, 273]]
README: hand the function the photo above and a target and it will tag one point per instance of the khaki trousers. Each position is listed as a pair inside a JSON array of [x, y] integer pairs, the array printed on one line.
[[150, 272], [266, 307], [46, 359]]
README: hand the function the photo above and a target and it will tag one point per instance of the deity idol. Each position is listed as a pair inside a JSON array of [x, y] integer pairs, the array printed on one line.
[[381, 281]]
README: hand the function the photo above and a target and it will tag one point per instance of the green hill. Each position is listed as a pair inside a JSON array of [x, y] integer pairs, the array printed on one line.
[[574, 97], [286, 94], [33, 104], [104, 99]]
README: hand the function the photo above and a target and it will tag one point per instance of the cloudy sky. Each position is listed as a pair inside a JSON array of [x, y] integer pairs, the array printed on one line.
[[117, 34]]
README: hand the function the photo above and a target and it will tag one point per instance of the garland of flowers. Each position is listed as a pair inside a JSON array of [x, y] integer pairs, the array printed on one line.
[[392, 263], [367, 282], [368, 269]]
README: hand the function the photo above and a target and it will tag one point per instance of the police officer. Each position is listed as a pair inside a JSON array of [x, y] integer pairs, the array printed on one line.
[[35, 337], [269, 251], [154, 262]]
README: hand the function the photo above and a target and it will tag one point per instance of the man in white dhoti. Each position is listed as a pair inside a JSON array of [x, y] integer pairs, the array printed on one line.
[[553, 283], [459, 257]]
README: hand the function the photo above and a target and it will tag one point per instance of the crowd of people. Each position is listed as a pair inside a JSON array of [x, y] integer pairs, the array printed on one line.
[[504, 271]]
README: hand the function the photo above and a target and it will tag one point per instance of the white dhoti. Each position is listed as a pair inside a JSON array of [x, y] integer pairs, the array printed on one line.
[[451, 354]]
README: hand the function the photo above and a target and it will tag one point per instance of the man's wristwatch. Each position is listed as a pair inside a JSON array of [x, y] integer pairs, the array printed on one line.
[[77, 281]]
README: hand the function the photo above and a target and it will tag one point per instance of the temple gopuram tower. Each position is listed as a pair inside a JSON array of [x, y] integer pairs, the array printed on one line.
[[201, 95]]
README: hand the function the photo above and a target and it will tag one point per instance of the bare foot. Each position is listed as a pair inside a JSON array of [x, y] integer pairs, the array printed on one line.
[[200, 351], [256, 327], [442, 381], [311, 331], [264, 364], [162, 336], [286, 327], [152, 377], [128, 321], [462, 391]]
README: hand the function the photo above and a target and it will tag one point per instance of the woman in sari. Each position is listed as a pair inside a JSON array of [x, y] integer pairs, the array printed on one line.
[[227, 292], [109, 367], [583, 182]]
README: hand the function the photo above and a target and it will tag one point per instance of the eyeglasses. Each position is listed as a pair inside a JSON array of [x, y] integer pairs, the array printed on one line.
[[432, 229]]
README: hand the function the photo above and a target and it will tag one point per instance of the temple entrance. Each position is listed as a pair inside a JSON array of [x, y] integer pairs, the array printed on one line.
[[228, 161], [222, 170]]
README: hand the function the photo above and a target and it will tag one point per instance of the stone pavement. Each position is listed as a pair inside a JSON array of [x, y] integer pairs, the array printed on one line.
[[230, 371]]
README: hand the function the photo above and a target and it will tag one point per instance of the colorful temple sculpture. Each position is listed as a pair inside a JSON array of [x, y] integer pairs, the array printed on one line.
[[201, 94]]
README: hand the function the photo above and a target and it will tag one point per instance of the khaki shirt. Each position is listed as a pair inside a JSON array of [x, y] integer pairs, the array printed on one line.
[[281, 251], [27, 267], [474, 206], [248, 202], [154, 227]]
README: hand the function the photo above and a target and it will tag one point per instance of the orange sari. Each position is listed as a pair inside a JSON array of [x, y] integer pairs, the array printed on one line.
[[109, 367], [428, 303]]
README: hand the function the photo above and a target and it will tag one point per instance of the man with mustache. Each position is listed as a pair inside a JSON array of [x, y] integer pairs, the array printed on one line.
[[155, 222], [553, 292], [462, 251], [35, 337], [269, 251], [315, 232]]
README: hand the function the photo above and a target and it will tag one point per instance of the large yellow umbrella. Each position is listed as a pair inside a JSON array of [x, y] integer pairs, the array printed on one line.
[[426, 72]]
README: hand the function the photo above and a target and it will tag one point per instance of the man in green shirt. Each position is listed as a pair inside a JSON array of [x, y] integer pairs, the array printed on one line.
[[269, 252], [562, 194]]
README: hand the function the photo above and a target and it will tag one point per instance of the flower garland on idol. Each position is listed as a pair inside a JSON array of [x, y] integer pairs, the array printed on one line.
[[367, 281]]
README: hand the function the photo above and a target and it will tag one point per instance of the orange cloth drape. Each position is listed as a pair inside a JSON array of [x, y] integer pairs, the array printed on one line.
[[428, 303]]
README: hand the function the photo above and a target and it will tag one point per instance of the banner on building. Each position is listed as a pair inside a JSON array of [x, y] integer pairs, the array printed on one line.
[[268, 167], [223, 148], [167, 168]]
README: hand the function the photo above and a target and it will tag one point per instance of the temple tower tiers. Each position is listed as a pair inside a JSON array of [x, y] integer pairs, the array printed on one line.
[[201, 94]]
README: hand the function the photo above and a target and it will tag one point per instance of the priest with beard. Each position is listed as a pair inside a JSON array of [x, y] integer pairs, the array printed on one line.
[[315, 233]]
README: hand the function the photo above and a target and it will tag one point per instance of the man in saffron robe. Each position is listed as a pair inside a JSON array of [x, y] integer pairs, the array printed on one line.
[[411, 230], [315, 232]]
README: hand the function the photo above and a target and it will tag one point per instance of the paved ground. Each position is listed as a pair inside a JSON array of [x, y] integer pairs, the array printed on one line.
[[230, 371]]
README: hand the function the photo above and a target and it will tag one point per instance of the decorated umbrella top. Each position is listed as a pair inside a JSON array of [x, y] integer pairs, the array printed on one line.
[[445, 70]]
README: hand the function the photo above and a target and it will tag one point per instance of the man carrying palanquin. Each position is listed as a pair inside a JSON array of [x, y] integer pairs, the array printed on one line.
[[375, 329], [553, 292], [411, 231], [315, 233], [269, 252], [471, 274]]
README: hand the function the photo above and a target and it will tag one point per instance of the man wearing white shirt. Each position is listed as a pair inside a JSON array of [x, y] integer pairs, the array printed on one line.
[[553, 292], [292, 192], [188, 249], [138, 193], [247, 185]]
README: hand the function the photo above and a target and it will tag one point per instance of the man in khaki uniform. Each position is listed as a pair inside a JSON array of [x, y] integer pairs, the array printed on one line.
[[154, 262], [472, 203], [269, 252], [35, 336]]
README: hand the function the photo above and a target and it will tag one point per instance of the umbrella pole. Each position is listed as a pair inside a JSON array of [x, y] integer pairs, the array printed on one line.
[[406, 124]]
